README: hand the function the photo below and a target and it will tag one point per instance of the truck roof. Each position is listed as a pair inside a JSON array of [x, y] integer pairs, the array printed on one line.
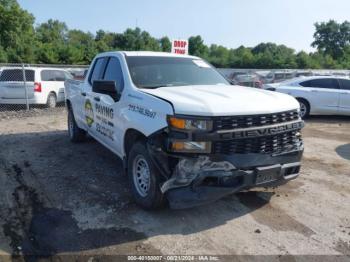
[[149, 53]]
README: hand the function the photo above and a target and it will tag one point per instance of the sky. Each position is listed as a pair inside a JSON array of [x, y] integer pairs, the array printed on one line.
[[230, 23]]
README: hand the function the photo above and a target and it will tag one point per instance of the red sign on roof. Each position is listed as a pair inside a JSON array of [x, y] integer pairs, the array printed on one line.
[[180, 47]]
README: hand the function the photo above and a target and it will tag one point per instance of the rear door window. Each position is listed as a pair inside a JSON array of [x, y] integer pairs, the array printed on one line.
[[98, 70], [60, 76], [329, 83], [54, 76], [344, 84], [16, 75], [48, 75]]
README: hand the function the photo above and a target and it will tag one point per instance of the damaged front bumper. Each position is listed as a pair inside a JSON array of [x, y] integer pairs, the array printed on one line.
[[267, 153], [202, 180]]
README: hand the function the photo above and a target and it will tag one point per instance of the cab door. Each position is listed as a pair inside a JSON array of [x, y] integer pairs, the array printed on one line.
[[89, 99], [108, 108], [344, 96], [323, 95]]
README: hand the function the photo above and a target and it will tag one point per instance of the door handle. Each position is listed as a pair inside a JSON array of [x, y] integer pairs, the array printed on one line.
[[97, 99], [83, 93], [315, 91], [344, 93]]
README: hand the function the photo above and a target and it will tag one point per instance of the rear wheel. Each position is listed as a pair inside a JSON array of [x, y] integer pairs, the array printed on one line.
[[51, 100], [144, 178], [76, 134], [304, 108]]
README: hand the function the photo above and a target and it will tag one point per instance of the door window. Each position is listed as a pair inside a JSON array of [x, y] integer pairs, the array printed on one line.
[[329, 83], [47, 76], [114, 73], [344, 84], [54, 76], [60, 76], [97, 70]]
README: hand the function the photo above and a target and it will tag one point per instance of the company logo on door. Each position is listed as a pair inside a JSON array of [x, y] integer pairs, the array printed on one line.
[[89, 113]]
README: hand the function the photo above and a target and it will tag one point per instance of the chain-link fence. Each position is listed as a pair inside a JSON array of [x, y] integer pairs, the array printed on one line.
[[259, 77], [29, 87], [25, 87]]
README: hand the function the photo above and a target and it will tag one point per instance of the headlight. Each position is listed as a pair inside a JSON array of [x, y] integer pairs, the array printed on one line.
[[190, 147], [190, 124]]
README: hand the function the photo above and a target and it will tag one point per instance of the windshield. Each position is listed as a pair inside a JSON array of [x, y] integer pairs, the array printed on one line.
[[154, 72]]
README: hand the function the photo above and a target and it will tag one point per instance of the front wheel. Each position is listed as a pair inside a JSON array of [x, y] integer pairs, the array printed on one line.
[[304, 108], [144, 178]]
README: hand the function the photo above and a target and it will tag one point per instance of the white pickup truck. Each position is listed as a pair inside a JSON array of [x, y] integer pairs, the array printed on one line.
[[186, 136]]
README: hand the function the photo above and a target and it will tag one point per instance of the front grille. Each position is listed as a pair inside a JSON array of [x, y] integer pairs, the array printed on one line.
[[231, 122], [269, 145]]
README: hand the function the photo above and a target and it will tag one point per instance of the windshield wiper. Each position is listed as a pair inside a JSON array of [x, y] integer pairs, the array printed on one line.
[[159, 86], [153, 87]]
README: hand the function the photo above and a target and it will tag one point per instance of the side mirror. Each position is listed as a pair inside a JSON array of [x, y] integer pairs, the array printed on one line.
[[106, 87]]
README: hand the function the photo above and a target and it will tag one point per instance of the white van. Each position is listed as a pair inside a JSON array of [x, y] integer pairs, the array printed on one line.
[[45, 86]]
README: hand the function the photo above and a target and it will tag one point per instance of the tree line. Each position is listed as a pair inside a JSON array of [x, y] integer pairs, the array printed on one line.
[[53, 42]]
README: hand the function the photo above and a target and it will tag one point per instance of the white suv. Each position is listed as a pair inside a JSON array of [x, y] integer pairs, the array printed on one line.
[[45, 86]]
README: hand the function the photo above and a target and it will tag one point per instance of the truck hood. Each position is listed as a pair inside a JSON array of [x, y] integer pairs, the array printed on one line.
[[223, 100]]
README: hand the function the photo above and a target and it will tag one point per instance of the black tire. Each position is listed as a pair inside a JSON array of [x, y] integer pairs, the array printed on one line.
[[76, 134], [304, 108], [51, 100], [153, 198]]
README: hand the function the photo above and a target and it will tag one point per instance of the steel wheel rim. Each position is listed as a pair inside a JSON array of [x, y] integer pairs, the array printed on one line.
[[302, 109], [141, 175]]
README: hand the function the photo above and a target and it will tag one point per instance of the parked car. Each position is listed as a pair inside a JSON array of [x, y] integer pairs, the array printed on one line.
[[44, 86], [183, 132], [318, 95], [278, 76], [249, 80], [78, 74]]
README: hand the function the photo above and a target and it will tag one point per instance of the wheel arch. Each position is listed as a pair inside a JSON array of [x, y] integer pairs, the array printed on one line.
[[131, 136], [304, 99], [307, 103], [68, 104], [52, 92]]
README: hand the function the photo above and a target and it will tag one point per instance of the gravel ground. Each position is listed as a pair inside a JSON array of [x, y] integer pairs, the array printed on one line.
[[60, 199]]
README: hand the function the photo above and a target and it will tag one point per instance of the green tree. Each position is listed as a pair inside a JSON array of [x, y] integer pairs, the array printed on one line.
[[16, 32], [106, 41], [165, 44], [3, 55], [136, 39], [331, 38], [78, 39], [305, 61], [242, 57], [53, 31], [274, 56], [219, 56], [197, 47], [52, 39]]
